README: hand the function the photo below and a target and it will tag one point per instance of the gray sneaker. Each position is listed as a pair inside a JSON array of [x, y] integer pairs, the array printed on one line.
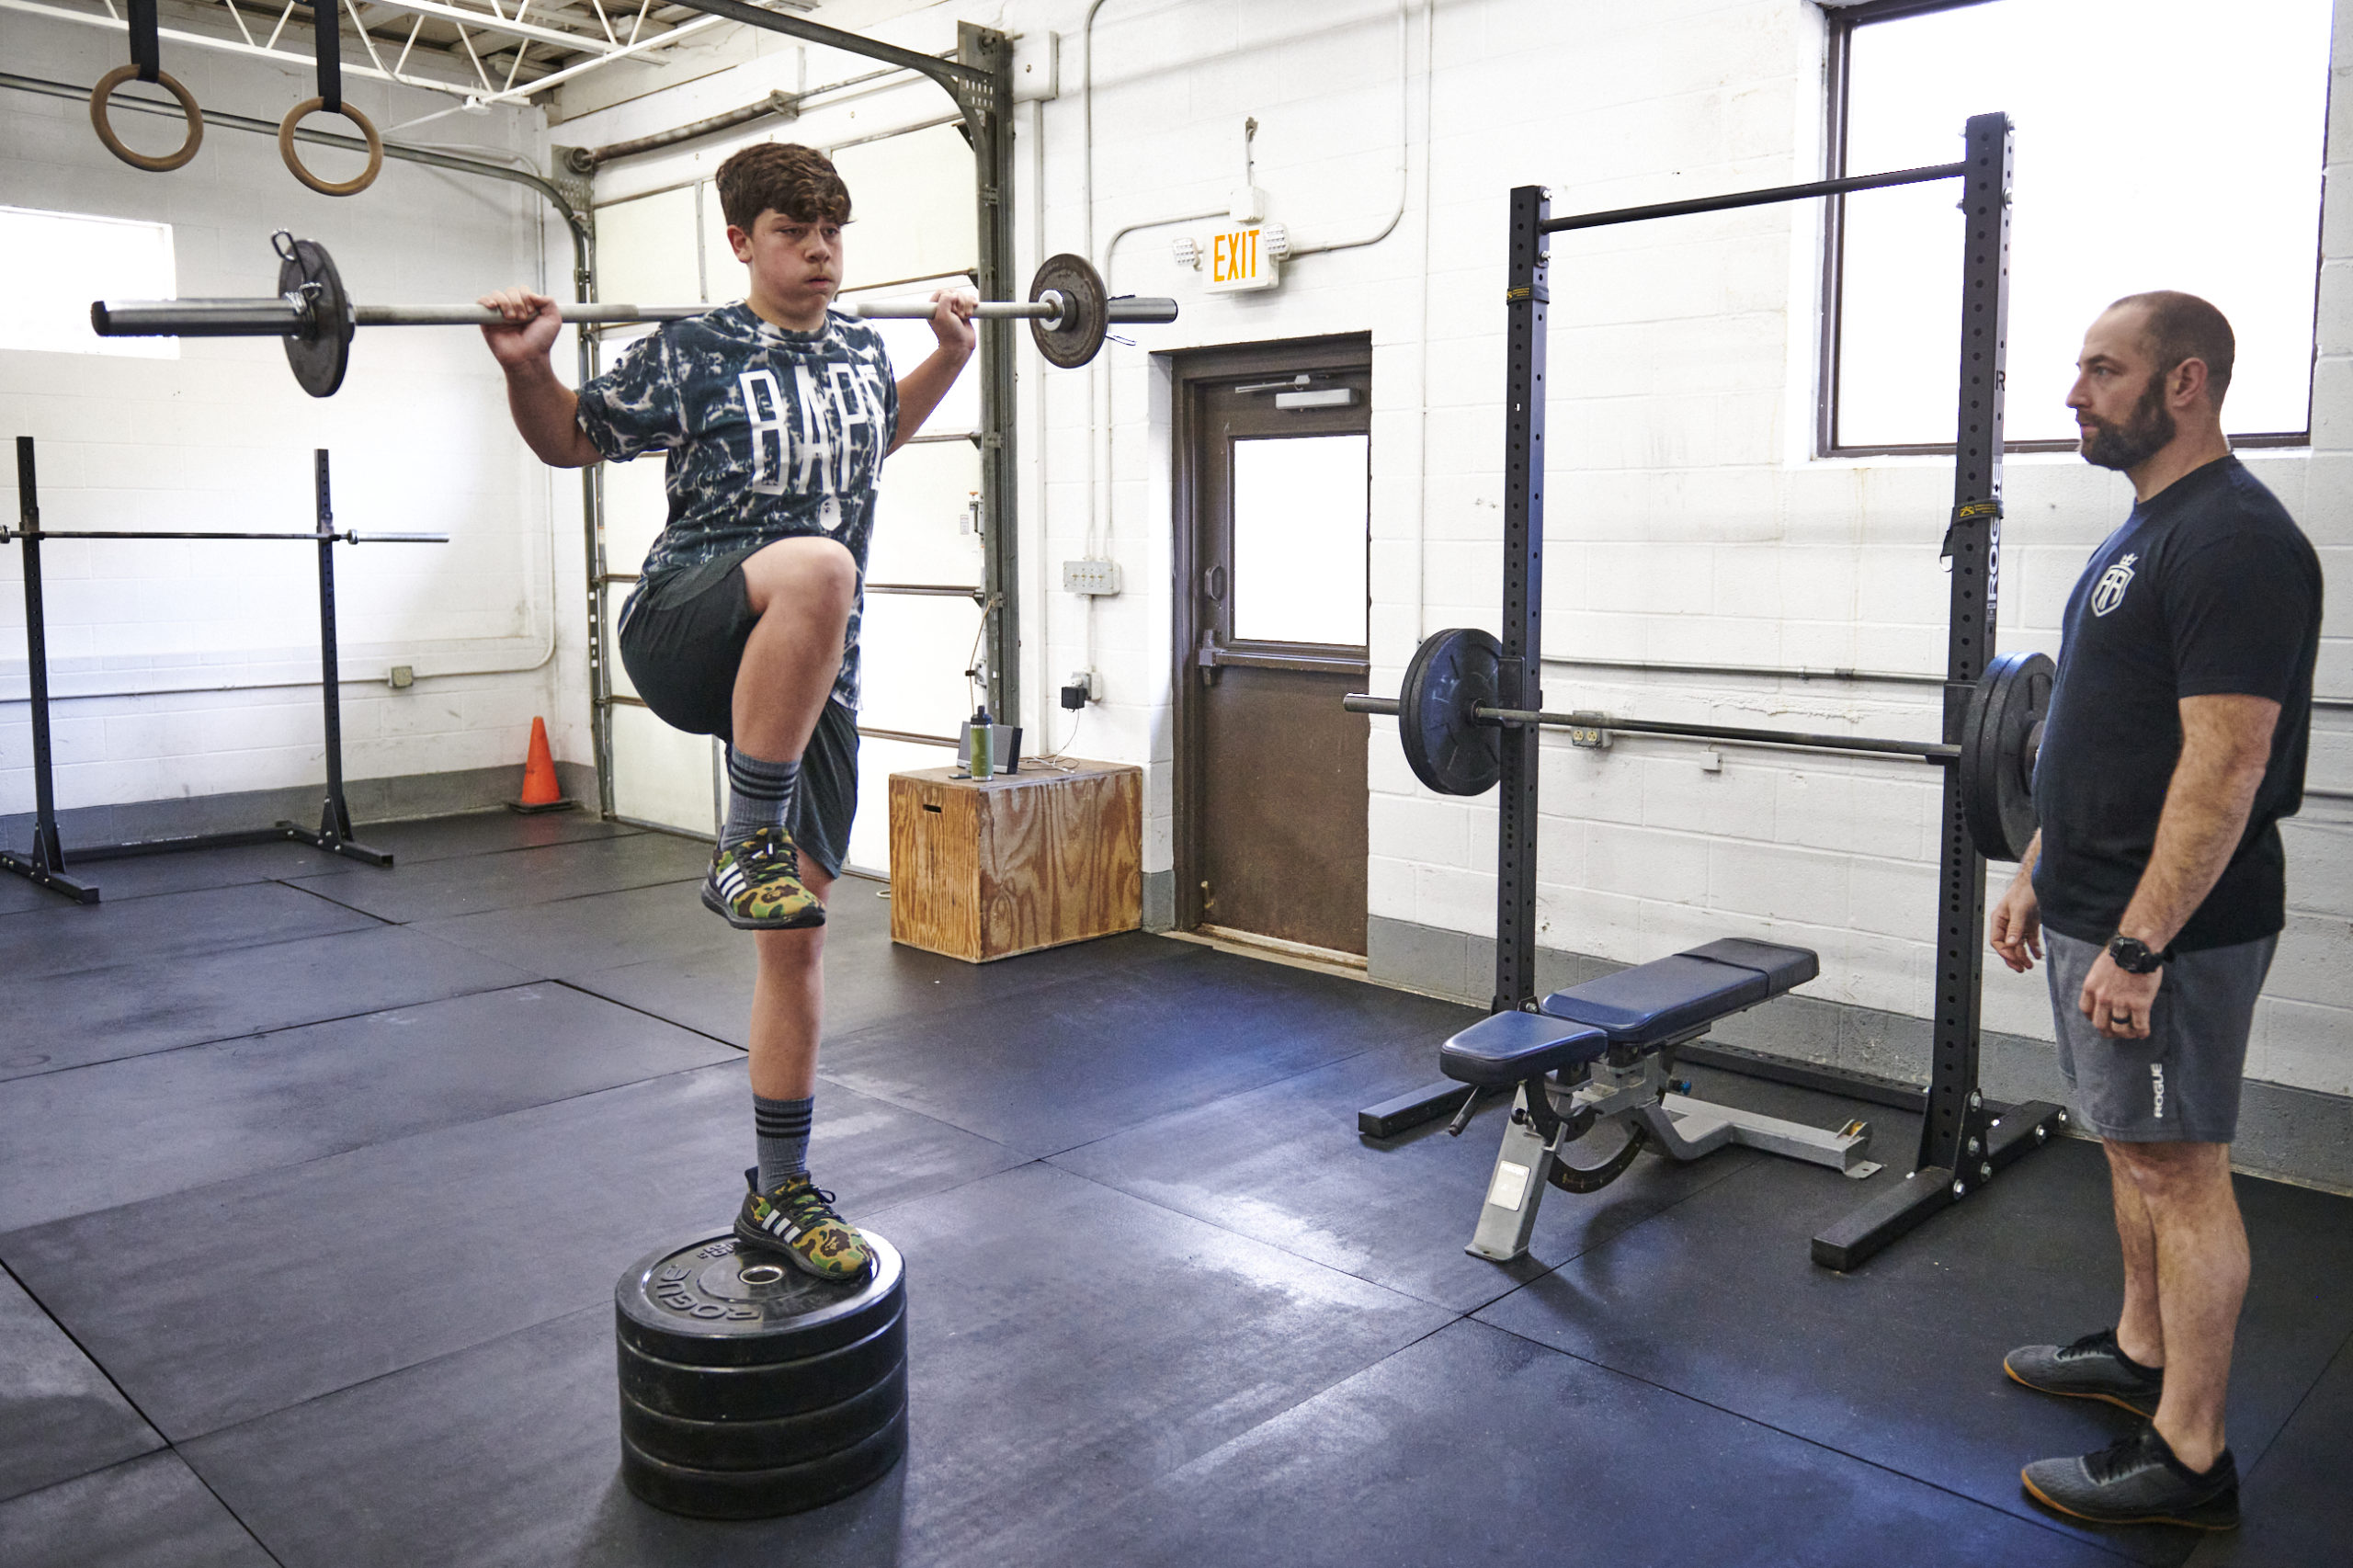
[[2092, 1368], [2137, 1481]]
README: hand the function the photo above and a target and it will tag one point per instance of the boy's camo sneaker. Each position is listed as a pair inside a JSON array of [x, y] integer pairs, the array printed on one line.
[[798, 1220], [756, 885]]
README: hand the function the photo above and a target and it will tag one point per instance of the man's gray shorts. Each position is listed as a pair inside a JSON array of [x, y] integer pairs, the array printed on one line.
[[2181, 1084]]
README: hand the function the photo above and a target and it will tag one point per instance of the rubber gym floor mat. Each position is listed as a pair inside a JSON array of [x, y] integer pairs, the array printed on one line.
[[1065, 1065], [253, 1294], [471, 883], [1286, 1164], [105, 1015], [1138, 1341], [98, 1137], [65, 1418], [2291, 1500], [1474, 1445], [73, 937], [1900, 1362], [149, 1513], [869, 980], [429, 1465], [418, 841], [582, 935]]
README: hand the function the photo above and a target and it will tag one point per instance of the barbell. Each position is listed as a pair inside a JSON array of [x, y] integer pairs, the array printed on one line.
[[1450, 724], [1068, 310]]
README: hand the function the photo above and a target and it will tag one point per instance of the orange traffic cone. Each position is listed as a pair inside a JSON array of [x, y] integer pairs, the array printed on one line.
[[541, 792]]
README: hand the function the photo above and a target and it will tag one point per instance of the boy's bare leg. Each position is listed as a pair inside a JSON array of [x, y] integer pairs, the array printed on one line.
[[787, 1004], [2201, 1283], [801, 589]]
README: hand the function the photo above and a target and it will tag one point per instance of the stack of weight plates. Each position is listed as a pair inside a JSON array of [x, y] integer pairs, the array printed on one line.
[[749, 1389]]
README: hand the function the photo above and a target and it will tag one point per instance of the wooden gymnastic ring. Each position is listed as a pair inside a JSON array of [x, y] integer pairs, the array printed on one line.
[[352, 186], [106, 89]]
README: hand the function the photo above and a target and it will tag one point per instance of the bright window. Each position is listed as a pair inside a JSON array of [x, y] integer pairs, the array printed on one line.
[[53, 265], [2160, 145]]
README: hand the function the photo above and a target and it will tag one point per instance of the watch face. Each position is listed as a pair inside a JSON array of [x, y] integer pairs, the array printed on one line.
[[2132, 955]]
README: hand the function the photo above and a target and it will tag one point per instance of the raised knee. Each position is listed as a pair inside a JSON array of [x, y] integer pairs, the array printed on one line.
[[803, 575]]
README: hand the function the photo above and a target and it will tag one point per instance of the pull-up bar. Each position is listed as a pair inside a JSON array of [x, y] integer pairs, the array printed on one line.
[[1755, 197]]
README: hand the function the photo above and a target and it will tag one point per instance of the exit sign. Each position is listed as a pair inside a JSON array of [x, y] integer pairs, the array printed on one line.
[[1237, 260]]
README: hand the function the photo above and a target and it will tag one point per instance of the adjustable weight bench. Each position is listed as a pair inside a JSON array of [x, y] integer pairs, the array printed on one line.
[[1597, 1060]]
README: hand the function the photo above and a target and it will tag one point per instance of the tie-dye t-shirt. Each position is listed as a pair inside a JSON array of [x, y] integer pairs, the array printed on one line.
[[771, 435]]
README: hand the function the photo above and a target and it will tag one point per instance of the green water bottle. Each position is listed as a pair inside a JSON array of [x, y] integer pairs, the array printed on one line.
[[984, 751]]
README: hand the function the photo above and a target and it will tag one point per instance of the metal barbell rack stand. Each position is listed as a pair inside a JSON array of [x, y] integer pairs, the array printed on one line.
[[46, 865], [1964, 1140]]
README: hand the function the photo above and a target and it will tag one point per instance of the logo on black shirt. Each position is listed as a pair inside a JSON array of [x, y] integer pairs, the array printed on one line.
[[2109, 592]]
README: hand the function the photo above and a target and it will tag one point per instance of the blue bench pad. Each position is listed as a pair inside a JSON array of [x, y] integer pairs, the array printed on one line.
[[1510, 1048], [1669, 998]]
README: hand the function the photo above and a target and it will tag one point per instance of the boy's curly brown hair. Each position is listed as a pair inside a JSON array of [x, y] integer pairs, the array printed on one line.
[[783, 177]]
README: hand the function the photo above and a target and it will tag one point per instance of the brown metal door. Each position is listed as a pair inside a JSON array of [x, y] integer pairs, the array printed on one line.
[[1271, 841]]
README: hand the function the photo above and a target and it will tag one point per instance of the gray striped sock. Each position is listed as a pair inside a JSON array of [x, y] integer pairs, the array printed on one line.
[[782, 1126], [759, 794]]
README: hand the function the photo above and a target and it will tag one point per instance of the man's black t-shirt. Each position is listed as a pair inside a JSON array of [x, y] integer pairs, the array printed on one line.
[[2209, 588]]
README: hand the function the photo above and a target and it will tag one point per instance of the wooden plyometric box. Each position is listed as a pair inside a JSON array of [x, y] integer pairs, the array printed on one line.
[[984, 868]]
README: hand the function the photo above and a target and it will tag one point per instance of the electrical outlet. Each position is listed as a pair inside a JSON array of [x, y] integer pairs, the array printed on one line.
[[1091, 576]]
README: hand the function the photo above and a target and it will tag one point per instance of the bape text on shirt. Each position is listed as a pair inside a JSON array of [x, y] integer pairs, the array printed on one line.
[[771, 435]]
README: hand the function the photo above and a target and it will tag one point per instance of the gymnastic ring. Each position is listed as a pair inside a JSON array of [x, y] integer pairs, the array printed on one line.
[[105, 90], [352, 186]]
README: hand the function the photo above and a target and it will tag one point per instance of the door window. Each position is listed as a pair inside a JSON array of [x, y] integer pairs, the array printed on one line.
[[1300, 511]]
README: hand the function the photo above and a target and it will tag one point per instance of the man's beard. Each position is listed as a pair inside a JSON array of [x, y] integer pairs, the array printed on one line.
[[2105, 445]]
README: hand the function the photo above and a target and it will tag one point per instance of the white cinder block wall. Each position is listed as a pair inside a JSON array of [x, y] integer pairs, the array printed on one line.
[[215, 644]]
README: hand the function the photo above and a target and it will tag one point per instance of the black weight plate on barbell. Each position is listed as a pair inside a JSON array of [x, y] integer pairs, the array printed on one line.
[[2000, 734], [761, 1493], [765, 1445], [694, 1304], [1446, 745], [321, 355], [1078, 336], [763, 1393]]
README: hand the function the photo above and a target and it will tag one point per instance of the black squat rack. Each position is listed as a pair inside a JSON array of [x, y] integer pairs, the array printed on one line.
[[1964, 1139], [46, 865]]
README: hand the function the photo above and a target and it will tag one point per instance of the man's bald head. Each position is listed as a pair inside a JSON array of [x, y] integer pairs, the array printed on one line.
[[2175, 326]]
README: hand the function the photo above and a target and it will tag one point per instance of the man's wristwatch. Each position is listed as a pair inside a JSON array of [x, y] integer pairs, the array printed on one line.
[[2134, 956]]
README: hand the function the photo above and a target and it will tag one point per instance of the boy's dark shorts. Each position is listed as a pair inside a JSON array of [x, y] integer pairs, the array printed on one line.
[[682, 637], [2181, 1084]]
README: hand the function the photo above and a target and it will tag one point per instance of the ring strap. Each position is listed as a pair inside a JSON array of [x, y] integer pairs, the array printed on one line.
[[328, 31], [146, 48]]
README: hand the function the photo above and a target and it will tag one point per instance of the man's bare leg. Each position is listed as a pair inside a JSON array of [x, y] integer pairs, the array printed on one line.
[[2201, 1272], [2139, 1331]]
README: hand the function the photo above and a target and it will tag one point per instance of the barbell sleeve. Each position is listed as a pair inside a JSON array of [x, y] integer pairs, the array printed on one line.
[[198, 318]]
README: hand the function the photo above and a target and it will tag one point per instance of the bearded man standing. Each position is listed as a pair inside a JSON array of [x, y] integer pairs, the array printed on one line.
[[2175, 741]]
